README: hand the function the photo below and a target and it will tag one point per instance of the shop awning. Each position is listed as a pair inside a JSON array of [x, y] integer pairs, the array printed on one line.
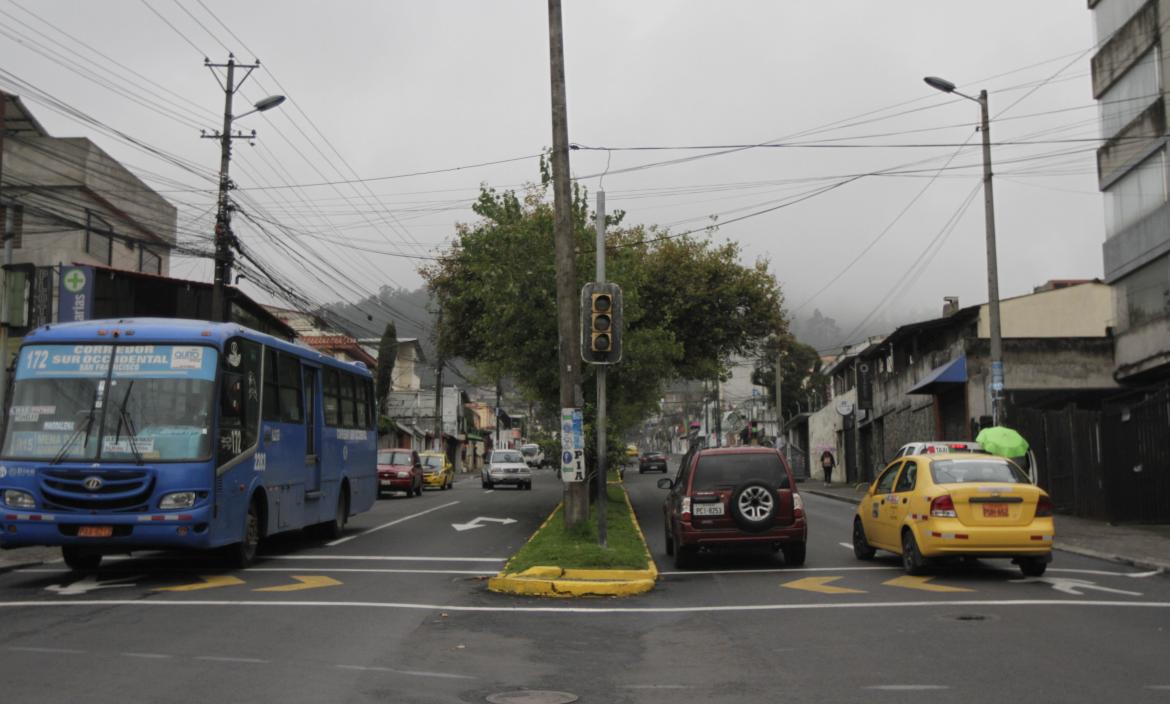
[[953, 372]]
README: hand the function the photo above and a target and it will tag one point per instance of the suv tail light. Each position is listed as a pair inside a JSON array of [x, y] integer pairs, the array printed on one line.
[[942, 507], [686, 508], [797, 505], [1043, 506]]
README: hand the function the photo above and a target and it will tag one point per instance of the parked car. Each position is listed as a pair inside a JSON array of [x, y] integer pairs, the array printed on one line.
[[738, 496], [959, 504], [652, 462], [400, 470], [506, 467], [533, 455], [438, 471]]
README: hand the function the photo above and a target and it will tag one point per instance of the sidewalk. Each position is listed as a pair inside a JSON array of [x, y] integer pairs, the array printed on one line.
[[1141, 546]]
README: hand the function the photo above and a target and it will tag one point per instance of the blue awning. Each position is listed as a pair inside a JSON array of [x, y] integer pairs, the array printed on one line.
[[953, 372]]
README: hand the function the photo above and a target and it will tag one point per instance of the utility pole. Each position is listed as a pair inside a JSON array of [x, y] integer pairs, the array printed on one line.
[[718, 414], [7, 223], [225, 240], [439, 387], [602, 470], [576, 495], [779, 405], [992, 268]]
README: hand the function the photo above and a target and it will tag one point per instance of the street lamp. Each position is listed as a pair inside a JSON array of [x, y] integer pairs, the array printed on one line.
[[223, 217], [992, 267]]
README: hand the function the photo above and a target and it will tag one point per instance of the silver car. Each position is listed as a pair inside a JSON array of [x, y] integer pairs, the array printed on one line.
[[506, 467]]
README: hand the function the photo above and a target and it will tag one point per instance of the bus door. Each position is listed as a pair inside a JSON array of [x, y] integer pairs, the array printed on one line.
[[312, 430]]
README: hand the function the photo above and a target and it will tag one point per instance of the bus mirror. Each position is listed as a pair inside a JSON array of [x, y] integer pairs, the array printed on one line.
[[232, 400]]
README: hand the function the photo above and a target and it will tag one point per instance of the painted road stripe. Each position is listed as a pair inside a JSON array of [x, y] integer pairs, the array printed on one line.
[[923, 583], [220, 658], [415, 673], [60, 651], [820, 584], [213, 582], [781, 570], [304, 582], [907, 687], [102, 603], [148, 656], [375, 529]]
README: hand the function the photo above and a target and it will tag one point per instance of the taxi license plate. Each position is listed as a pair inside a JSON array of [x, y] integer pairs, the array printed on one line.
[[708, 509], [95, 531], [995, 510]]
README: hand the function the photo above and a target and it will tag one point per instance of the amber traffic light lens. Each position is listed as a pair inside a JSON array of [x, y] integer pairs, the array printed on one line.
[[601, 323]]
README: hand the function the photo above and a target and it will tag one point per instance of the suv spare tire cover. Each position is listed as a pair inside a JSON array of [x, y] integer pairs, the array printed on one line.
[[764, 514]]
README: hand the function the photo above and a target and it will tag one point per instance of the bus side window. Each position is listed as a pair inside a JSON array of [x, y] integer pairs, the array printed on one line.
[[372, 417], [347, 401], [289, 378], [362, 416], [239, 402], [329, 394], [271, 388]]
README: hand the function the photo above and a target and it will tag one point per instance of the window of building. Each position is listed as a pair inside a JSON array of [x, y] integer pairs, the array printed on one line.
[[1111, 15], [1140, 86], [149, 262], [1145, 294], [1136, 194], [98, 244]]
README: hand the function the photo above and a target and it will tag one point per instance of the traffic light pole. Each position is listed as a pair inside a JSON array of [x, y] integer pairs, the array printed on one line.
[[602, 470]]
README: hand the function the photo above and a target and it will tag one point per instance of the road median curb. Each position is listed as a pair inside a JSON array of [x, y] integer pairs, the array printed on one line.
[[556, 581]]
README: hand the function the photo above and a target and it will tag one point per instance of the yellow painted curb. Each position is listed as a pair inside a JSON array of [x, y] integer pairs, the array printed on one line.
[[555, 581]]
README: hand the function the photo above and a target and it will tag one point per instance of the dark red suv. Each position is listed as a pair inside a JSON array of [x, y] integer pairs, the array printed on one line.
[[732, 497]]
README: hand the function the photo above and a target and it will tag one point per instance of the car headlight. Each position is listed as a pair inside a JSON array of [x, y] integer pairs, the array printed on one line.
[[403, 475], [19, 499], [179, 499]]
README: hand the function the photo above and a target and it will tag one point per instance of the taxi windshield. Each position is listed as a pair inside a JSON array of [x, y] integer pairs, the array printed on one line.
[[980, 470], [123, 403], [432, 462]]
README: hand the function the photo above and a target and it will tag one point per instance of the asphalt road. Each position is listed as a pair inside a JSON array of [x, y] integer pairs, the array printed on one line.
[[398, 611]]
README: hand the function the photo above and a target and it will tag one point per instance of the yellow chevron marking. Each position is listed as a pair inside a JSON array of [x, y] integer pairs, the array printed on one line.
[[921, 583], [820, 584], [207, 583], [304, 582]]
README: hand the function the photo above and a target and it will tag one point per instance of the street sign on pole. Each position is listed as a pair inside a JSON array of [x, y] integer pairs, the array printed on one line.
[[572, 445]]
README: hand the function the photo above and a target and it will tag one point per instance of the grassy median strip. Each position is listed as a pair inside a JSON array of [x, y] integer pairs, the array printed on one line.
[[578, 549]]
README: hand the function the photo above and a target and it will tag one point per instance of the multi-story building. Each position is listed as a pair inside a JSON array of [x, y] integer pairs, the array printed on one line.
[[1129, 83]]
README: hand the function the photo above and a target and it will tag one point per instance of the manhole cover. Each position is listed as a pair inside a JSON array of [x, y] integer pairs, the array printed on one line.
[[532, 696]]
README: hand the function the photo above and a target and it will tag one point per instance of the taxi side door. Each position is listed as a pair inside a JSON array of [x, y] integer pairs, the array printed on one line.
[[899, 503], [876, 516]]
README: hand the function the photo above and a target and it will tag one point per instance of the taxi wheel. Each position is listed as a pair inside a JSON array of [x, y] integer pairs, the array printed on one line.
[[861, 547], [1032, 567], [912, 560]]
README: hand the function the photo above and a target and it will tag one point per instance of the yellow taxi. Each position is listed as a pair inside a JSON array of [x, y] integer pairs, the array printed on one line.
[[631, 450], [438, 472], [969, 504]]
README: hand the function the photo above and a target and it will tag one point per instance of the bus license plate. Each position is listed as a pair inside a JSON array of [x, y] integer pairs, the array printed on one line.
[[708, 509], [95, 531], [995, 510]]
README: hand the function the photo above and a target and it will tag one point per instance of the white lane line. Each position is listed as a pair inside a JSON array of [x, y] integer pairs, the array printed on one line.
[[387, 558], [907, 687], [415, 673], [59, 651], [1135, 575], [782, 570], [339, 541], [372, 570], [148, 656], [653, 686], [1159, 687], [218, 658], [815, 606]]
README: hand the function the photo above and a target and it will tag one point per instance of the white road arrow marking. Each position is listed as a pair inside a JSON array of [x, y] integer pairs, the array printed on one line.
[[1074, 586], [478, 523], [89, 584]]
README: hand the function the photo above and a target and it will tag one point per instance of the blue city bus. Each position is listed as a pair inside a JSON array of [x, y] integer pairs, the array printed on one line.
[[142, 434]]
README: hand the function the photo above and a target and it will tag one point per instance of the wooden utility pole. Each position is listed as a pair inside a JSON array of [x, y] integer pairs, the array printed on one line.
[[576, 496]]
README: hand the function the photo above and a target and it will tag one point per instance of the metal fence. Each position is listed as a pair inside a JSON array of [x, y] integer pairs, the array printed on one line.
[[1136, 443]]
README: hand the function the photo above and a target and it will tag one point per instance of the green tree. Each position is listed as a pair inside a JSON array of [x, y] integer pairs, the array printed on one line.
[[801, 381], [387, 355], [689, 305]]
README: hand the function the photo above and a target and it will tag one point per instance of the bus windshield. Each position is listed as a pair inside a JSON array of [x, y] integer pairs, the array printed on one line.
[[118, 403]]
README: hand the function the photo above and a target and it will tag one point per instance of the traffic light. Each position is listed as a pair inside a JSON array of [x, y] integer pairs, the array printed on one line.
[[601, 323]]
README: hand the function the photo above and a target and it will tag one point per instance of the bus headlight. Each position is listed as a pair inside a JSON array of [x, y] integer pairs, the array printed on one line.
[[19, 499], [179, 499]]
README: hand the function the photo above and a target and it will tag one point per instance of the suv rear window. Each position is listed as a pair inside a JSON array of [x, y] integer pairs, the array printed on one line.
[[715, 471]]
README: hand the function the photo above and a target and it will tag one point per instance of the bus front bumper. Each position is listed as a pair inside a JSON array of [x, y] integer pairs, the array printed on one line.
[[188, 529]]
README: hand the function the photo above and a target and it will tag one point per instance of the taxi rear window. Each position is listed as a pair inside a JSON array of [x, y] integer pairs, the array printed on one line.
[[976, 470], [724, 471]]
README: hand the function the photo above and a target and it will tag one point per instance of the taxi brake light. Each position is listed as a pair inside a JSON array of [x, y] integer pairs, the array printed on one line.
[[1043, 506], [942, 507]]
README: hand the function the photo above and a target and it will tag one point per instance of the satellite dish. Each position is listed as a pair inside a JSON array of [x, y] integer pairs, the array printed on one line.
[[844, 407]]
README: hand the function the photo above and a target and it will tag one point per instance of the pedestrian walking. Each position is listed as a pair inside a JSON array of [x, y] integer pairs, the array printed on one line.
[[828, 462]]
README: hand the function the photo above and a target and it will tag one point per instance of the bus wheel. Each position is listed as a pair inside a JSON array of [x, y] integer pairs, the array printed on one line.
[[243, 553], [79, 559], [334, 528]]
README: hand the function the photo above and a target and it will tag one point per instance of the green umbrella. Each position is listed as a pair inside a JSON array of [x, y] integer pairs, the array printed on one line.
[[1001, 441]]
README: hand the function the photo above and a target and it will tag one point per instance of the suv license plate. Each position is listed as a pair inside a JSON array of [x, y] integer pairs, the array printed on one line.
[[95, 531], [708, 509], [995, 511]]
